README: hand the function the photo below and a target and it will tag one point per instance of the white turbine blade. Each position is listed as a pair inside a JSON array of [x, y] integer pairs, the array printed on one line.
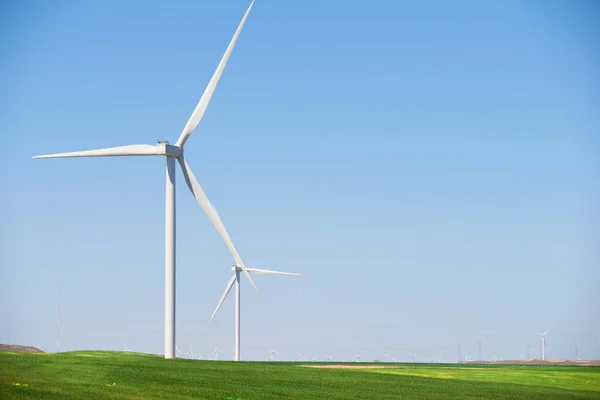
[[546, 332], [208, 92], [227, 289], [210, 210], [131, 150], [267, 272]]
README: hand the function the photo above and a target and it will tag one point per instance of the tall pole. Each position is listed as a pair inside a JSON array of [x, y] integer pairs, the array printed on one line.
[[170, 260], [237, 314], [459, 355], [58, 327], [480, 359]]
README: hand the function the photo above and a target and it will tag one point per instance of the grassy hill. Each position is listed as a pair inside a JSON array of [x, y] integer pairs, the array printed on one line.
[[117, 375]]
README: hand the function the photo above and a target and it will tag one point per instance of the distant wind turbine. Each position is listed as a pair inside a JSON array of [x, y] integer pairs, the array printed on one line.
[[236, 279], [543, 344], [190, 353], [274, 355], [216, 353]]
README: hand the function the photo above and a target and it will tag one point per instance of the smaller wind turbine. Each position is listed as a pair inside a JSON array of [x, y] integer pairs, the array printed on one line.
[[236, 279], [356, 358], [441, 359], [190, 353], [413, 357], [543, 337], [328, 358], [386, 357], [274, 355], [216, 353]]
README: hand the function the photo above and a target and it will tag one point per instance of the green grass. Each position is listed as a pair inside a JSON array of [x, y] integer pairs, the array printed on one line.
[[573, 378], [115, 375]]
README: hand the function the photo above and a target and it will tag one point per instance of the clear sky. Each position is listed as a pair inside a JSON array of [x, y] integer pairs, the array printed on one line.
[[432, 167]]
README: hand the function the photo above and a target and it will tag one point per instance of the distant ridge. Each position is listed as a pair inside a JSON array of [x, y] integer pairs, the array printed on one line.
[[19, 349]]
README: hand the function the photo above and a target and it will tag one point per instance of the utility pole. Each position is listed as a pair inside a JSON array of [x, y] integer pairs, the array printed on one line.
[[58, 327]]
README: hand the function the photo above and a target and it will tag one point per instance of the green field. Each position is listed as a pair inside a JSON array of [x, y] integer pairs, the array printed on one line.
[[116, 375]]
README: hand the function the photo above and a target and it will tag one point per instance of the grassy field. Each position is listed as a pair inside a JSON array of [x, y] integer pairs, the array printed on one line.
[[116, 375]]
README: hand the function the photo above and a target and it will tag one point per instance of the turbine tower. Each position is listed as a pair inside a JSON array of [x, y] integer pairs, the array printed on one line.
[[172, 153], [236, 279], [543, 336]]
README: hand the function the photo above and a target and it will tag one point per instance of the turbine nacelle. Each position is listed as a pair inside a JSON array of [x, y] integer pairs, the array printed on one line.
[[169, 150]]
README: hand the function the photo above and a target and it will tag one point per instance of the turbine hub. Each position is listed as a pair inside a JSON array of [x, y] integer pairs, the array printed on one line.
[[164, 148]]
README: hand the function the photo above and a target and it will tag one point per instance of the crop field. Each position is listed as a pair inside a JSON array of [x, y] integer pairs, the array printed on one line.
[[117, 375]]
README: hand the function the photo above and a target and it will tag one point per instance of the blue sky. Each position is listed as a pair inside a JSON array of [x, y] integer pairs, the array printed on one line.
[[431, 167]]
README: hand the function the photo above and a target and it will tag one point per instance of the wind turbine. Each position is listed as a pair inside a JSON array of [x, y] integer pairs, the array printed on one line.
[[274, 355], [172, 153], [216, 353], [236, 279], [543, 336], [190, 353]]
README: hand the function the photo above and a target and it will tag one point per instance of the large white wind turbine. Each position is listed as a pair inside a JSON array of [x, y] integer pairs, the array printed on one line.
[[236, 279], [172, 153], [543, 336]]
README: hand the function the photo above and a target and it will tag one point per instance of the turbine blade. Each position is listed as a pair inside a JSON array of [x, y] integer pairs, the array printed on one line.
[[546, 332], [227, 290], [131, 150], [210, 210], [267, 272], [208, 92]]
